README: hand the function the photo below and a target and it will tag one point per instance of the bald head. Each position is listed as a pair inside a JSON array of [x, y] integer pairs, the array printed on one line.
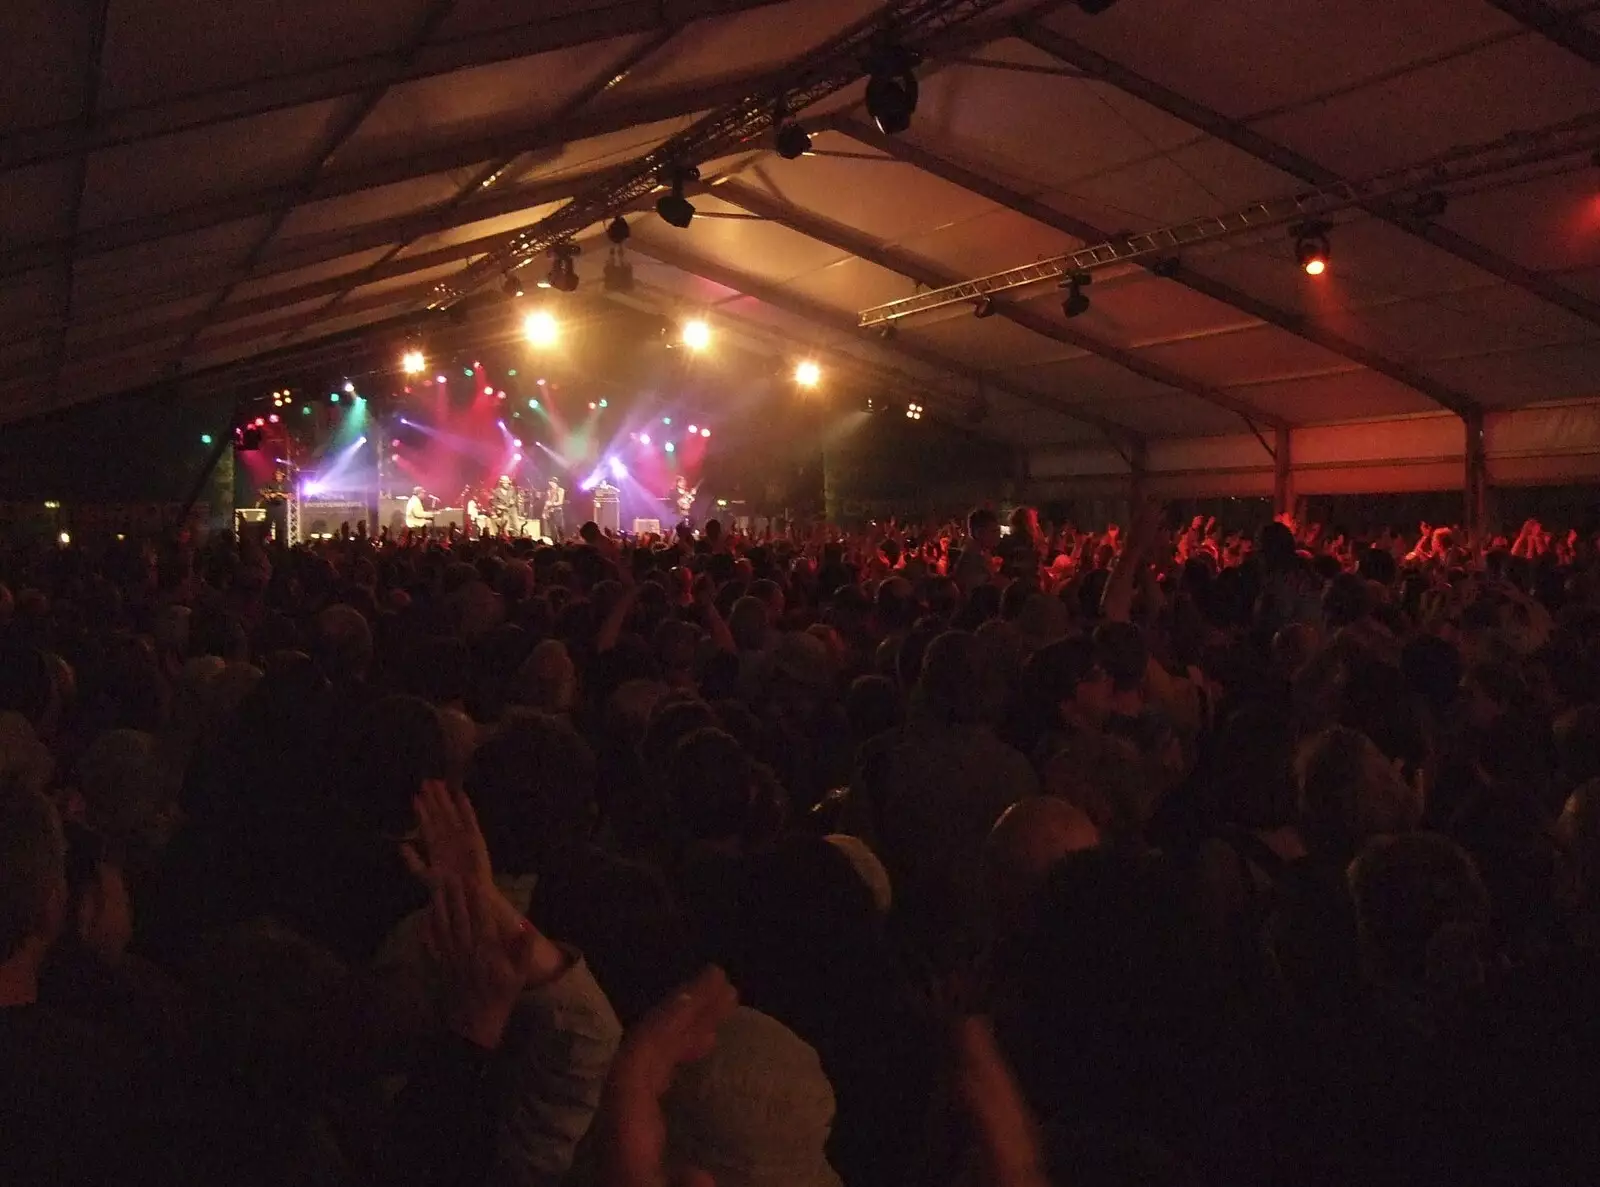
[[1030, 837]]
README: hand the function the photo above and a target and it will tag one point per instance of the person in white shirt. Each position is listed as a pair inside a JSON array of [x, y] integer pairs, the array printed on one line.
[[418, 516]]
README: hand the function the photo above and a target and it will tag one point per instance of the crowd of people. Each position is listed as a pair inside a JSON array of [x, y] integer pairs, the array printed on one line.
[[991, 854]]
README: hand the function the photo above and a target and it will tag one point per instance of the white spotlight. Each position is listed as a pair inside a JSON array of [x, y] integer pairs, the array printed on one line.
[[541, 328], [807, 373], [696, 334]]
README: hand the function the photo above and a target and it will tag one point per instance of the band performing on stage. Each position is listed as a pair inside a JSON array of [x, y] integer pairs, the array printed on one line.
[[503, 509]]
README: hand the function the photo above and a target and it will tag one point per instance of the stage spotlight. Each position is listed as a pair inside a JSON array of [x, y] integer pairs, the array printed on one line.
[[666, 420], [349, 387], [205, 438], [488, 391], [696, 334], [592, 406], [674, 209], [469, 372], [670, 447], [693, 429], [604, 403], [913, 411], [395, 458], [1311, 247], [273, 419], [413, 363], [644, 438], [1077, 302], [513, 289], [807, 373], [333, 397], [499, 395], [563, 277], [305, 410], [892, 89], [395, 444], [983, 307], [517, 441], [541, 328], [792, 141], [705, 432]]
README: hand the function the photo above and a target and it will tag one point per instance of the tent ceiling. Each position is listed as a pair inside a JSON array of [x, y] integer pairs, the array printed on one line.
[[189, 187]]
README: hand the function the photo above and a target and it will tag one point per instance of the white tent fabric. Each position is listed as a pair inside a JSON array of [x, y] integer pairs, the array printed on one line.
[[185, 187]]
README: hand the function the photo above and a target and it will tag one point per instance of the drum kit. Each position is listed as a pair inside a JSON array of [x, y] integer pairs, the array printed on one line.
[[493, 511]]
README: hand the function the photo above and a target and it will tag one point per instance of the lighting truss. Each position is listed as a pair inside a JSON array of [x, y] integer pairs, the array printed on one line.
[[1514, 151], [833, 66]]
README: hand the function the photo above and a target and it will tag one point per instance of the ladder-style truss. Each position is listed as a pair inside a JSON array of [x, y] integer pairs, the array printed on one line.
[[1518, 150], [841, 61]]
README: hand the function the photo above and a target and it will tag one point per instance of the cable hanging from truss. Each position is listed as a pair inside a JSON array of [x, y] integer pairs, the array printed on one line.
[[1428, 179], [912, 25]]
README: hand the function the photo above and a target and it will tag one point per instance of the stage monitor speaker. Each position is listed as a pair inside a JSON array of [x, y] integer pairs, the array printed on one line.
[[608, 514], [647, 527]]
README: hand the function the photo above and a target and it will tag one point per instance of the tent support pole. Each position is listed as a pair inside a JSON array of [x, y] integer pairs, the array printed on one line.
[[1476, 485], [1282, 474]]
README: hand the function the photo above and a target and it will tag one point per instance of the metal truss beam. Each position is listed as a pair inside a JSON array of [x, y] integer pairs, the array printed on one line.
[[1213, 123], [829, 319], [460, 154], [860, 246], [491, 174], [1303, 327], [927, 28]]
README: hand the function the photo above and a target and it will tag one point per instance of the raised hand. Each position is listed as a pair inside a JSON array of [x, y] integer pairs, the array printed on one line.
[[633, 1130], [1008, 1135], [483, 970], [451, 839]]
